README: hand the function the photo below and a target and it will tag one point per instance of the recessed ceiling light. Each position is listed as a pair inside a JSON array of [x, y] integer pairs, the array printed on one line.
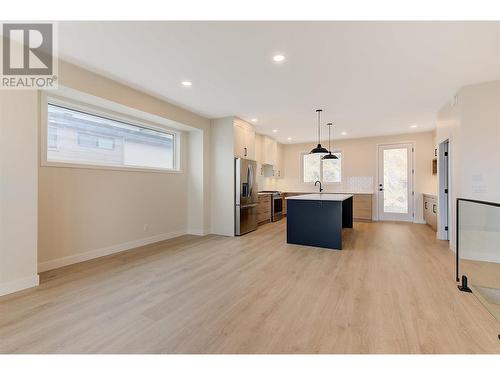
[[413, 126], [275, 130], [278, 58], [289, 138], [254, 120], [343, 133], [187, 83]]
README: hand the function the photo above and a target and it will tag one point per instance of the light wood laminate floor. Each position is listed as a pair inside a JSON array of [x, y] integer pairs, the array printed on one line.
[[391, 290]]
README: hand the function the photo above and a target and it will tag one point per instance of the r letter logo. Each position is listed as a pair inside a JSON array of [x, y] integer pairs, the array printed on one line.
[[28, 59]]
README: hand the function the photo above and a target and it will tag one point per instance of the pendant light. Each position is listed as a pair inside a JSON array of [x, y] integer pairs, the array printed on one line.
[[319, 149], [329, 156]]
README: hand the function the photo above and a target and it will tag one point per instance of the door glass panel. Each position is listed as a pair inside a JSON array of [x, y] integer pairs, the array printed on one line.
[[396, 181]]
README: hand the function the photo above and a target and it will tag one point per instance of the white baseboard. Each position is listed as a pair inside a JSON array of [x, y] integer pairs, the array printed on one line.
[[198, 232], [19, 284], [419, 221], [82, 257]]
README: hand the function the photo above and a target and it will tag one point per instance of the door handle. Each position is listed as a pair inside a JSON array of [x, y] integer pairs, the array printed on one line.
[[433, 208]]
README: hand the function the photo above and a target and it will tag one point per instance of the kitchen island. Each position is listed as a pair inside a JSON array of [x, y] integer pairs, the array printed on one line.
[[318, 219]]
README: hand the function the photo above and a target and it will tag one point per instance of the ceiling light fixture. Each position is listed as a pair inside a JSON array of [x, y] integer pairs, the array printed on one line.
[[187, 83], [319, 149], [289, 138], [278, 58], [275, 130], [343, 133], [254, 120], [413, 126], [329, 156]]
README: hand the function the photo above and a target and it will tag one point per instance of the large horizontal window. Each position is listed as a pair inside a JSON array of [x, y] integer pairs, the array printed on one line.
[[78, 137], [314, 168]]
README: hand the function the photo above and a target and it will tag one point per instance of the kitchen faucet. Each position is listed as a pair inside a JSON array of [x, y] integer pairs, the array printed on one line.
[[320, 188]]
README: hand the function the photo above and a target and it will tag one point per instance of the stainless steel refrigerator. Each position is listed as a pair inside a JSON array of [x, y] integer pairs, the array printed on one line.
[[246, 196]]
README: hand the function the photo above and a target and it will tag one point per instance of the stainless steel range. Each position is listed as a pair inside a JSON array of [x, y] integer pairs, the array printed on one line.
[[276, 204]]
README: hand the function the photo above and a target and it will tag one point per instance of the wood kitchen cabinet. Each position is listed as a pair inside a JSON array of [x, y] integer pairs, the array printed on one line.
[[362, 207], [264, 208], [244, 139], [430, 210]]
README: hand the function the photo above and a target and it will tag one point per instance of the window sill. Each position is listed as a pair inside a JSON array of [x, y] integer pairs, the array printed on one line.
[[323, 183], [51, 164]]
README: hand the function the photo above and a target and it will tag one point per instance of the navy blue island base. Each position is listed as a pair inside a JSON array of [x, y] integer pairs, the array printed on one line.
[[318, 219]]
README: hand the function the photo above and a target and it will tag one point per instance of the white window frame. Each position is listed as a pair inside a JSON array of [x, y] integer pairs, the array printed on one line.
[[321, 170], [112, 115]]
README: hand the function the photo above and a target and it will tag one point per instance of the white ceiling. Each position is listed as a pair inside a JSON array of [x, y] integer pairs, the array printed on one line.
[[370, 78]]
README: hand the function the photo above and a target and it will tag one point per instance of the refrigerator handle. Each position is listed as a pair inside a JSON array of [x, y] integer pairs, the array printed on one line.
[[250, 180], [237, 186]]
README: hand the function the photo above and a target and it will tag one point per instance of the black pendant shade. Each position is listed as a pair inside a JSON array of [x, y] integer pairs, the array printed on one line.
[[319, 149], [329, 156]]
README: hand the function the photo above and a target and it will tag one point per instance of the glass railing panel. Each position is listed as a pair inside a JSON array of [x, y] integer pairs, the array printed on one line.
[[479, 250]]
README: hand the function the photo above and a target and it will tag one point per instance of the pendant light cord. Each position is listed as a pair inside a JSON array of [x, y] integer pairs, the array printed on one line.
[[319, 122], [329, 146]]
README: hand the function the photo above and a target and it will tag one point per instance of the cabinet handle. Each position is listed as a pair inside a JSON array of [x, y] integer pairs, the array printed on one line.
[[425, 205], [433, 208], [245, 150]]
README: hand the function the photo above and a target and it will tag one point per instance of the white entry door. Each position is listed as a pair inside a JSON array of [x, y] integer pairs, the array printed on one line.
[[395, 182]]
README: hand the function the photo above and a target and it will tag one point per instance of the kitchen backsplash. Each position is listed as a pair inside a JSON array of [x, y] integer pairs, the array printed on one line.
[[354, 184]]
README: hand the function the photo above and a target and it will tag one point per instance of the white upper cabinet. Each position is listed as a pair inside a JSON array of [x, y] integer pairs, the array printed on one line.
[[274, 169], [259, 145], [278, 170], [270, 151], [244, 139]]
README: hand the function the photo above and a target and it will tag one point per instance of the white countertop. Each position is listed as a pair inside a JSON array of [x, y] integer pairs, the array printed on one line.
[[322, 197], [325, 192]]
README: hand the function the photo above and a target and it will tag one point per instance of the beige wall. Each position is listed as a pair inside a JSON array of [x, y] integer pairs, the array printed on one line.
[[222, 176], [52, 216], [86, 210], [359, 166], [471, 122], [85, 213], [18, 190]]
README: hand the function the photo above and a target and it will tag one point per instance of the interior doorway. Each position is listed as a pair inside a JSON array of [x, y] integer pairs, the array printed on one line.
[[395, 182], [444, 190]]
